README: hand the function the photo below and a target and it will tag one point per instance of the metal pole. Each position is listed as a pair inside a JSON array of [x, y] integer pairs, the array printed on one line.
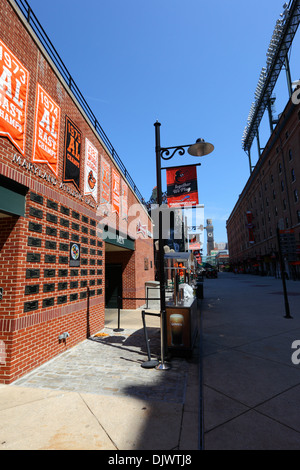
[[163, 329], [288, 76], [119, 300], [286, 301]]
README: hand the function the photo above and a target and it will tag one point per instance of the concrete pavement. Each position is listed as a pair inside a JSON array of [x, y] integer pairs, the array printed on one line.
[[251, 387], [96, 396], [241, 392]]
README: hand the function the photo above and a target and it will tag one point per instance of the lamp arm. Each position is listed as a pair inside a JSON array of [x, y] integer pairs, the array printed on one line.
[[165, 152]]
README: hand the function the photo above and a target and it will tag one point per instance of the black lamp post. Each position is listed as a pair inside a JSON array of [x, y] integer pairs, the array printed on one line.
[[199, 149]]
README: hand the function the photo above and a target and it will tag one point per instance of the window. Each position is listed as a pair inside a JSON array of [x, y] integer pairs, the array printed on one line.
[[296, 197], [298, 216], [293, 175], [290, 155], [279, 168], [284, 204], [282, 186]]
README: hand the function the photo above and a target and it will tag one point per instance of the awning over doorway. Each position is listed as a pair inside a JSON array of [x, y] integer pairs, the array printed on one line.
[[118, 239], [12, 197]]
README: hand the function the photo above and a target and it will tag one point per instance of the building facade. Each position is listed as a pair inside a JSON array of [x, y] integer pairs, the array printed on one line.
[[74, 233], [270, 201]]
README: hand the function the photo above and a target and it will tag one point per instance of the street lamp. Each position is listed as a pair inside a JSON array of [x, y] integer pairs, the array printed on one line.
[[199, 149]]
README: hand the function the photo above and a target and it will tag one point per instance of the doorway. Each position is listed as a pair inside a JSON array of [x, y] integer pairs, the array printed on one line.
[[113, 285]]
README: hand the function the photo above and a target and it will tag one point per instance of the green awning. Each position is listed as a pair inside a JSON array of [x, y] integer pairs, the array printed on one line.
[[12, 202], [118, 239]]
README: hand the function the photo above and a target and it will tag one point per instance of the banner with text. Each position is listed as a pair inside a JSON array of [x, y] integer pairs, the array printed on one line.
[[115, 181], [91, 170], [72, 154], [182, 187], [105, 185], [250, 226], [47, 124], [14, 85], [124, 201]]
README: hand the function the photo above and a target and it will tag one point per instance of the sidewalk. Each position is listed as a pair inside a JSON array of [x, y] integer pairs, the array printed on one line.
[[96, 396], [251, 387]]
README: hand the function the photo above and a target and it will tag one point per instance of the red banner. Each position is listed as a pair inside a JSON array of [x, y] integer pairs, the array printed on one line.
[[14, 85], [47, 123], [250, 226], [116, 191], [182, 187]]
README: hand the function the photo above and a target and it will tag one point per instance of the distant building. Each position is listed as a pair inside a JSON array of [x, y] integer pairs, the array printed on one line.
[[270, 200], [210, 236]]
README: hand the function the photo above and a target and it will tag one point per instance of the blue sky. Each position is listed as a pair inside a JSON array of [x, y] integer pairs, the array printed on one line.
[[193, 66]]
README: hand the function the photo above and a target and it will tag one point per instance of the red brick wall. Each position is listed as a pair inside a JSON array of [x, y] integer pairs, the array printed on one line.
[[269, 195], [29, 336]]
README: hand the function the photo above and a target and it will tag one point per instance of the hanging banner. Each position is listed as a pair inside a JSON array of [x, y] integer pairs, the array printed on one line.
[[250, 226], [182, 188], [47, 124], [14, 85], [72, 154], [115, 182], [105, 185], [124, 201], [91, 170]]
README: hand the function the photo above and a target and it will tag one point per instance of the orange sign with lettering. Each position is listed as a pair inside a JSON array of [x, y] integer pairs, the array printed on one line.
[[14, 84], [47, 124]]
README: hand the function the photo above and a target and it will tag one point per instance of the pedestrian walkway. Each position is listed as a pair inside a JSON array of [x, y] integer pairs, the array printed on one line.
[[240, 390], [97, 396], [251, 388]]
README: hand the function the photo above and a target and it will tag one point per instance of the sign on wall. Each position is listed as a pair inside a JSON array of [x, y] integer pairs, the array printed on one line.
[[182, 186], [105, 185], [47, 124], [74, 254], [91, 170], [72, 154], [124, 200], [14, 85], [250, 226], [115, 182]]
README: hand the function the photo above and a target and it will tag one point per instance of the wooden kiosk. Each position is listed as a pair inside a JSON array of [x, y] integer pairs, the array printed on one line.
[[182, 314]]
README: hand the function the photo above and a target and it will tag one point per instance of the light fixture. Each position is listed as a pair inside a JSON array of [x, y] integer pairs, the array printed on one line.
[[200, 148]]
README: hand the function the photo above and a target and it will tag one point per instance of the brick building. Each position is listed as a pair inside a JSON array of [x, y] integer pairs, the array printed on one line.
[[73, 230], [270, 199]]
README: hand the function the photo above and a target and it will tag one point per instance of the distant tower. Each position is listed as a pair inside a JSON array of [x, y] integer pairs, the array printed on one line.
[[210, 236]]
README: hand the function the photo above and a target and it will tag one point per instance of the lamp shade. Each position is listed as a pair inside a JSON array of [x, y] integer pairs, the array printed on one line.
[[200, 148]]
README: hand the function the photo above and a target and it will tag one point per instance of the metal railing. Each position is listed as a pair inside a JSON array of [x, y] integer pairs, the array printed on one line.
[[39, 31]]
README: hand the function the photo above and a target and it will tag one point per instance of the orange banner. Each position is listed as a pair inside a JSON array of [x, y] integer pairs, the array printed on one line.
[[116, 181], [105, 182], [47, 124], [14, 84], [124, 205]]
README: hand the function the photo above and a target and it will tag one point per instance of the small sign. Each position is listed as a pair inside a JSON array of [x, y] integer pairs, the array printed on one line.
[[288, 244], [74, 254]]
